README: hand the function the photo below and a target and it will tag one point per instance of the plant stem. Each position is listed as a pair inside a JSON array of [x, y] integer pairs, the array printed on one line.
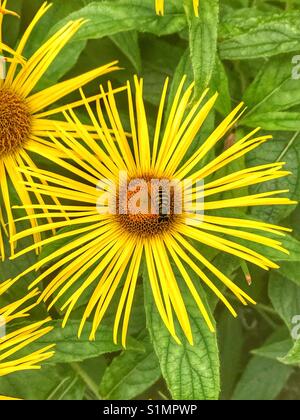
[[241, 74], [266, 309], [290, 143], [267, 318], [259, 306], [59, 386], [92, 386], [75, 380]]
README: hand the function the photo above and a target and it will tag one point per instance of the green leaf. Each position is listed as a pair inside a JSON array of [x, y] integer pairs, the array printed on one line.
[[277, 121], [228, 265], [65, 61], [160, 59], [94, 368], [257, 381], [274, 351], [69, 55], [128, 43], [203, 31], [293, 355], [277, 345], [130, 373], [69, 348], [58, 11], [291, 244], [53, 383], [219, 83], [11, 24], [284, 147], [263, 35], [184, 68], [274, 88], [231, 343], [160, 55], [285, 297], [191, 372], [111, 17], [12, 268], [289, 263], [118, 20], [290, 270]]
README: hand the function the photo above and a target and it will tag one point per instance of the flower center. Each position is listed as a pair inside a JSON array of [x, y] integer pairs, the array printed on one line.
[[15, 122], [147, 208]]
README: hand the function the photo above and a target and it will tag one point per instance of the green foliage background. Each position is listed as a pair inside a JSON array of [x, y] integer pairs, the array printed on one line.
[[247, 50]]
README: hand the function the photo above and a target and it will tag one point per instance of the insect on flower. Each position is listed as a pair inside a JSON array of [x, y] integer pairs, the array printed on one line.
[[111, 232]]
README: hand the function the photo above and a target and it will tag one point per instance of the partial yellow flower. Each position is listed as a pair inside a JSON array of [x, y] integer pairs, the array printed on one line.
[[104, 250], [24, 123], [160, 7], [5, 11], [16, 341]]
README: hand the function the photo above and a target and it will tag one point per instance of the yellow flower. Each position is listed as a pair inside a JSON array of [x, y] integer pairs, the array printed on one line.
[[4, 11], [23, 121], [102, 249], [16, 341], [160, 7]]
